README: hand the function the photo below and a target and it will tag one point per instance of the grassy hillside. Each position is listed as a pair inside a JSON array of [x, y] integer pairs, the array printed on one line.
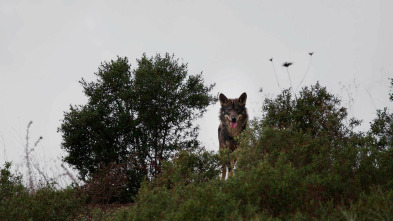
[[303, 160]]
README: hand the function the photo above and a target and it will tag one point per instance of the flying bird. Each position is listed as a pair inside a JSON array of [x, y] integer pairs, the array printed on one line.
[[287, 64]]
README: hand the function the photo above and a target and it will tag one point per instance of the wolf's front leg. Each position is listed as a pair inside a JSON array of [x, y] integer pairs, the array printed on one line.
[[231, 168], [224, 171]]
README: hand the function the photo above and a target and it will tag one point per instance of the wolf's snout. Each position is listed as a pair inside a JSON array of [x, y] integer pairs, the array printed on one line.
[[233, 122]]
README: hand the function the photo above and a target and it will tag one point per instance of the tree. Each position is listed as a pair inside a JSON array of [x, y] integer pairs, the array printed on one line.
[[135, 118], [382, 126], [167, 104], [316, 111]]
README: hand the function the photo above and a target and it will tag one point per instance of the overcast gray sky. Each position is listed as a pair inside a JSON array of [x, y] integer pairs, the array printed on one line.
[[47, 46]]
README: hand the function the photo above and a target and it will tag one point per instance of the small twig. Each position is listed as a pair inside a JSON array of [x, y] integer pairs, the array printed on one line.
[[308, 67], [290, 82], [27, 158], [287, 64], [275, 73], [371, 98], [67, 172], [5, 153], [41, 173], [39, 139]]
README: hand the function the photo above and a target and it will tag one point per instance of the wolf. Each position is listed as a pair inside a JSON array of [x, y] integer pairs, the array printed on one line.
[[233, 120]]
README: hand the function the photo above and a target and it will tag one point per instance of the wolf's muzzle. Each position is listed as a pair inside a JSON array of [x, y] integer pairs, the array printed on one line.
[[233, 122]]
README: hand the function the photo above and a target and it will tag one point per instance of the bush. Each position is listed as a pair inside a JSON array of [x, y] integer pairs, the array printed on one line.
[[376, 205], [107, 185], [47, 203], [188, 189], [12, 195], [302, 160]]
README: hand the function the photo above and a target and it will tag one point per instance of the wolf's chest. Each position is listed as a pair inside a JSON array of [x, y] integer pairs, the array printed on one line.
[[234, 132]]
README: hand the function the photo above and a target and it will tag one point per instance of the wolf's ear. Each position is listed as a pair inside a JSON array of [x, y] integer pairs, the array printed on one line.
[[243, 98], [223, 99]]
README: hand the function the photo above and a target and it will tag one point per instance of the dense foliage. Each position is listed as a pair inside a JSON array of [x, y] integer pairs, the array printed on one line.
[[47, 203], [301, 160], [133, 121]]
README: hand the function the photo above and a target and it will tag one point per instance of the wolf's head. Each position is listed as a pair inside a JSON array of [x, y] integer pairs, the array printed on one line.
[[233, 111]]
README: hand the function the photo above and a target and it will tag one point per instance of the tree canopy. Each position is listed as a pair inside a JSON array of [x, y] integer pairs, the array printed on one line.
[[136, 118]]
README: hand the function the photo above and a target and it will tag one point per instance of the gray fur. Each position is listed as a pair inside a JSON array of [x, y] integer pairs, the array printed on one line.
[[235, 111]]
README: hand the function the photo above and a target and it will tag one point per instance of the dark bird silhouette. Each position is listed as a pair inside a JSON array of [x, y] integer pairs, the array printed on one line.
[[287, 64], [311, 53], [271, 59]]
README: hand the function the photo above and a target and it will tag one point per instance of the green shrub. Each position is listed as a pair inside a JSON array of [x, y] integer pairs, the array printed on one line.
[[187, 189], [302, 160], [109, 184], [13, 195], [376, 205], [47, 203], [51, 204]]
